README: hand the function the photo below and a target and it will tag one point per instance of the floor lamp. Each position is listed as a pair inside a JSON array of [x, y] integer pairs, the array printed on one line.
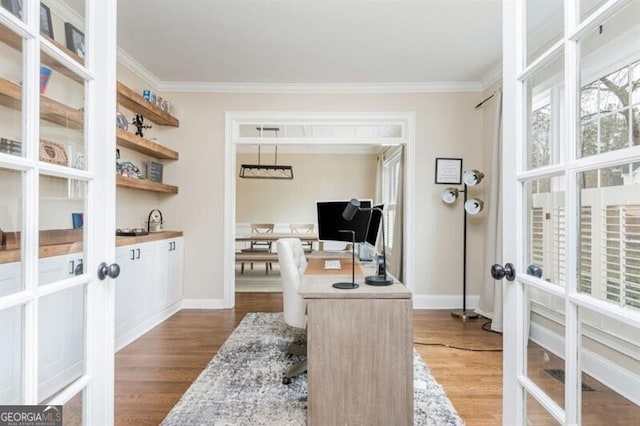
[[472, 206]]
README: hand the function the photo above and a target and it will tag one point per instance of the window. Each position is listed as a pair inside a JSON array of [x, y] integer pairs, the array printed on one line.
[[390, 176]]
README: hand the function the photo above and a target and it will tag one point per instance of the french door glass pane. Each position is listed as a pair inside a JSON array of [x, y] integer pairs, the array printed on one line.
[[609, 359], [61, 334], [609, 261], [545, 23], [545, 236], [609, 98], [62, 206], [536, 415], [544, 117], [11, 355], [66, 32], [545, 349], [15, 7], [11, 138], [11, 231], [62, 107]]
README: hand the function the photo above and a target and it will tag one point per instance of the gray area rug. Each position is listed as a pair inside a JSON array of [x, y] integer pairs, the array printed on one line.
[[242, 385]]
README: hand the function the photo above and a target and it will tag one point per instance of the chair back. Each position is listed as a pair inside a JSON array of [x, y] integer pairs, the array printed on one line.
[[261, 228], [292, 266], [301, 228]]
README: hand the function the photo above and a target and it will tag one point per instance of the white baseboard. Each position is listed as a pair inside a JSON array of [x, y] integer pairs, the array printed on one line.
[[620, 380], [443, 302], [203, 304], [145, 326]]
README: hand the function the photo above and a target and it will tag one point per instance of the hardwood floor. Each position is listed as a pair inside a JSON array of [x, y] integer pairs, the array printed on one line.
[[153, 372]]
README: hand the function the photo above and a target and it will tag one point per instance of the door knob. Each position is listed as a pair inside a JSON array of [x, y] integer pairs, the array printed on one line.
[[498, 272], [105, 270]]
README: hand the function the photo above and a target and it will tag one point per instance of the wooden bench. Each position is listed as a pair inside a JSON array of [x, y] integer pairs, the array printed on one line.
[[256, 256]]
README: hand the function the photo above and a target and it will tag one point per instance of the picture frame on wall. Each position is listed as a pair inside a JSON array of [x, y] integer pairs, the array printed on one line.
[[75, 39], [46, 27], [448, 171]]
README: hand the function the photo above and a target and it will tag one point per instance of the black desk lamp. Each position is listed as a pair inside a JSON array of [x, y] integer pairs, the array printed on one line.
[[352, 284], [349, 212]]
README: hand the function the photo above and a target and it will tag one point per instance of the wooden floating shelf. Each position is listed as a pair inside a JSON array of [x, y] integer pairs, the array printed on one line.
[[145, 185], [145, 146], [133, 101], [14, 41], [50, 110]]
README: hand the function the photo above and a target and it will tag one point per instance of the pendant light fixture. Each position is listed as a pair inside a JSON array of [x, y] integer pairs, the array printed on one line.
[[266, 171]]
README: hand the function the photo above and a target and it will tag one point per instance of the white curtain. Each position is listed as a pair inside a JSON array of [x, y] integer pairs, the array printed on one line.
[[490, 303], [396, 259]]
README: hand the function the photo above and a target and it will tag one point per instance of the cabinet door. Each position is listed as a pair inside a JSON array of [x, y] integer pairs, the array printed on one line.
[[125, 257], [140, 283], [57, 268], [175, 266], [160, 274]]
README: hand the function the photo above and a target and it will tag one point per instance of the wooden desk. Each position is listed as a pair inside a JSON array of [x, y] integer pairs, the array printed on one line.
[[359, 350]]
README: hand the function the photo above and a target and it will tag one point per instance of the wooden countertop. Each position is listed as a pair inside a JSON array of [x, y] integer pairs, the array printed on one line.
[[318, 285], [8, 256]]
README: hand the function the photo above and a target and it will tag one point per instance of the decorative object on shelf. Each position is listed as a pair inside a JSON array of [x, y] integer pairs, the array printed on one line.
[[121, 121], [45, 21], [138, 121], [45, 74], [154, 171], [155, 221], [149, 96], [75, 39], [128, 169], [77, 219], [472, 206], [9, 146], [266, 171], [448, 171], [53, 152]]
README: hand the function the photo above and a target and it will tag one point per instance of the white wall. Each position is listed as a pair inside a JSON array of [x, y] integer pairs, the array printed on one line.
[[447, 126], [316, 177]]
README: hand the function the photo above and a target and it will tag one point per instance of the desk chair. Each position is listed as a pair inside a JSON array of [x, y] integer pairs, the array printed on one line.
[[259, 246], [292, 266], [303, 228]]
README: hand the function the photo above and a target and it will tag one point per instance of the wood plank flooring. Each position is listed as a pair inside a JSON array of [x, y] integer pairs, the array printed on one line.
[[153, 372]]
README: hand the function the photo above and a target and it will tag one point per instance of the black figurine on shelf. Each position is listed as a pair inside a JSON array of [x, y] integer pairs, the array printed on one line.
[[139, 123]]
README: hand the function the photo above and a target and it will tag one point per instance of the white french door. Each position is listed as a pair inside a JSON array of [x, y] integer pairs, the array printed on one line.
[[57, 206], [571, 170]]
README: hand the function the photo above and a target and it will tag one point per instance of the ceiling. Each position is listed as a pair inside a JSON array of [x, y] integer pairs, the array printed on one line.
[[313, 41]]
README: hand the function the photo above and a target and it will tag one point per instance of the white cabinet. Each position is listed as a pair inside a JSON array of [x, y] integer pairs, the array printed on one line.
[[149, 287]]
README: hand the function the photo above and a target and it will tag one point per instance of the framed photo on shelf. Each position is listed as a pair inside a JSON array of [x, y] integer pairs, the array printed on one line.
[[46, 27], [449, 171], [52, 152], [75, 39]]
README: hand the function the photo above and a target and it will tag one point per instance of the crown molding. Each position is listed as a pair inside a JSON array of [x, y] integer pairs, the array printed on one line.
[[204, 87], [492, 77], [138, 69]]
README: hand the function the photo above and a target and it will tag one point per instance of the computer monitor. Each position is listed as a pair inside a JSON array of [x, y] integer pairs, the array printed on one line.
[[330, 221], [374, 225]]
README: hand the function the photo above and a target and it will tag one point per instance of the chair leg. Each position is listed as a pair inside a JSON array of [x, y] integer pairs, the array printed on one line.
[[295, 370], [251, 265], [266, 268], [242, 267]]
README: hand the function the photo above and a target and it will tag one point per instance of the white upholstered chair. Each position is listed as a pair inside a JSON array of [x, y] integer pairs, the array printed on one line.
[[293, 263]]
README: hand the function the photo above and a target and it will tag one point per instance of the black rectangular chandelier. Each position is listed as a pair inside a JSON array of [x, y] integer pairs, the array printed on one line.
[[266, 171]]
